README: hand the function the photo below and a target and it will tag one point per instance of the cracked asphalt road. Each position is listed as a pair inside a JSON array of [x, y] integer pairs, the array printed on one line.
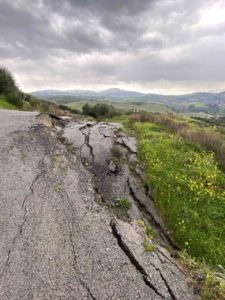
[[56, 240]]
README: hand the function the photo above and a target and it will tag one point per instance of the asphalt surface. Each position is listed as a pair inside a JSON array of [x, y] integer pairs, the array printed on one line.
[[57, 241]]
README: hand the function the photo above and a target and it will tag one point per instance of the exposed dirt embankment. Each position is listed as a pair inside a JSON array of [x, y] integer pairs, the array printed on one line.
[[65, 233]]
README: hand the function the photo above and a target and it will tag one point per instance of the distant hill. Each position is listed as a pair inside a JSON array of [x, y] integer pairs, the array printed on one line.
[[113, 93], [121, 95]]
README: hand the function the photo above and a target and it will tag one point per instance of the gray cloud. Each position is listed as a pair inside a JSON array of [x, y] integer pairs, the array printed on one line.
[[77, 43]]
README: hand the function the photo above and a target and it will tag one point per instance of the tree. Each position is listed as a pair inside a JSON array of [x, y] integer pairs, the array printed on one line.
[[99, 110], [7, 82], [87, 109]]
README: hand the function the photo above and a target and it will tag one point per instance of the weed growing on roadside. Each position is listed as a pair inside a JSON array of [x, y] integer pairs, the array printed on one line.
[[124, 204], [58, 187], [149, 247], [149, 232], [209, 283]]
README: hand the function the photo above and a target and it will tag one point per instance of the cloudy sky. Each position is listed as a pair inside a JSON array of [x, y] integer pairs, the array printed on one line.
[[164, 46]]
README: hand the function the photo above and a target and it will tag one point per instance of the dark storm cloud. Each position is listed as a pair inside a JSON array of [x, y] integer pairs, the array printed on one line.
[[77, 26], [100, 7], [79, 41]]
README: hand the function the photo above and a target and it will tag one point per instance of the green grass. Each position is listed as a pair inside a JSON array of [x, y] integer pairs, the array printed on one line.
[[149, 232], [148, 246], [186, 104], [77, 105], [124, 204], [4, 104], [189, 191], [212, 283]]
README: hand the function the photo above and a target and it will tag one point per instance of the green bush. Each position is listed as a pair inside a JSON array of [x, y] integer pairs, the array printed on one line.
[[99, 110], [15, 99]]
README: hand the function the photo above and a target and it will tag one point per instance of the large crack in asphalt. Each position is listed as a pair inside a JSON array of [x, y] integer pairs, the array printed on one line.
[[65, 195], [98, 173], [69, 238], [132, 258], [150, 217], [87, 140], [172, 262], [21, 226], [86, 130], [76, 270], [137, 265]]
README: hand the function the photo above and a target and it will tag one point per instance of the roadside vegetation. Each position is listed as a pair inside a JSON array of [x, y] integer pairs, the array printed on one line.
[[5, 104], [183, 168], [189, 191], [212, 138], [124, 204], [100, 110], [9, 90], [187, 178], [208, 282], [11, 97]]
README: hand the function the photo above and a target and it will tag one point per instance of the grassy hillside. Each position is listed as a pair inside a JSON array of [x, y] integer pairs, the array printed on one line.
[[189, 190], [181, 163], [11, 97], [6, 105]]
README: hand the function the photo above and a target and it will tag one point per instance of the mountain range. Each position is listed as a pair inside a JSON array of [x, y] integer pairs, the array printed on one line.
[[111, 93], [122, 95]]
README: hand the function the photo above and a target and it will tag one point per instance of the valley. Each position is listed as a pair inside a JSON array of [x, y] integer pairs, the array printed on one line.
[[196, 104]]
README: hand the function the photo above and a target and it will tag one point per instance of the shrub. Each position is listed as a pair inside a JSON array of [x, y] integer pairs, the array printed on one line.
[[34, 103], [140, 117], [15, 99], [207, 138], [99, 110]]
